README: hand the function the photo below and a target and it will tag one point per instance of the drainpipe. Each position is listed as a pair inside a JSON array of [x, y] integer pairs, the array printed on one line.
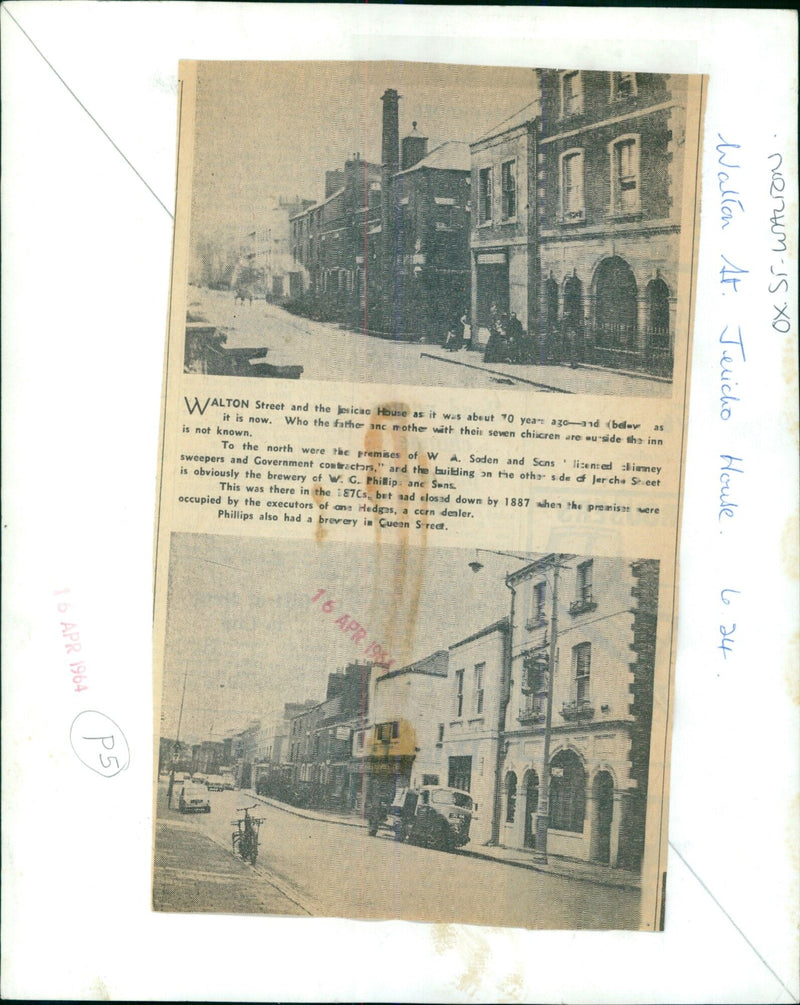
[[505, 697], [543, 809]]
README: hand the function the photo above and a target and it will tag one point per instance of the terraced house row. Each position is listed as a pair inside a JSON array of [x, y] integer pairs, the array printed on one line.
[[567, 215]]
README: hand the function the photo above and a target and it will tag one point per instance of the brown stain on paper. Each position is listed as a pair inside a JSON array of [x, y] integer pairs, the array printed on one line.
[[316, 494], [401, 570]]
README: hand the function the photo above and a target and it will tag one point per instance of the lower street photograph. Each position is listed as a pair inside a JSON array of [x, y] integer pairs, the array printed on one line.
[[339, 738]]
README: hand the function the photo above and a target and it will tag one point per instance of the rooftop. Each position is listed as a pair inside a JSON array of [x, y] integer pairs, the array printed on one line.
[[453, 155], [525, 115]]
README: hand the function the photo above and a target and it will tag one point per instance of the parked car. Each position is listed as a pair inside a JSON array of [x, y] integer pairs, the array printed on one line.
[[193, 800], [433, 815], [215, 783]]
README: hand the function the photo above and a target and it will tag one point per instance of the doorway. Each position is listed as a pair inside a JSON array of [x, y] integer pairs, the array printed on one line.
[[531, 806], [603, 793]]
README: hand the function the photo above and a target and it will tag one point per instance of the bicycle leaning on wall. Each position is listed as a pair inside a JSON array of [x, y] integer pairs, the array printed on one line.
[[245, 837]]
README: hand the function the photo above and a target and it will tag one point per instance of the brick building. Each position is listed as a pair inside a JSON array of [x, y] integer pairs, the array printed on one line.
[[320, 741], [611, 175], [419, 278], [328, 242], [388, 248]]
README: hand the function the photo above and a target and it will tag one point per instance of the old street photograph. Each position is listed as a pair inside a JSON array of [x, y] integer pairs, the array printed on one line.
[[443, 225], [441, 735]]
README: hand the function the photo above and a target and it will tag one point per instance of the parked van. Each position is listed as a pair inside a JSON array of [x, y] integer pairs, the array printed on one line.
[[433, 815]]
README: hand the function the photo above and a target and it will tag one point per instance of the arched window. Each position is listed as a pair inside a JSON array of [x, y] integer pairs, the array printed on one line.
[[511, 797], [616, 311], [567, 792], [658, 314]]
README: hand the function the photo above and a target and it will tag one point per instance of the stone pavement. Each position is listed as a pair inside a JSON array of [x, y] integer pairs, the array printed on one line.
[[583, 379], [194, 873], [521, 858]]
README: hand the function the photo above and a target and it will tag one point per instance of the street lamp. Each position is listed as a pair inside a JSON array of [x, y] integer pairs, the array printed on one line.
[[477, 565], [176, 746], [543, 804], [505, 688]]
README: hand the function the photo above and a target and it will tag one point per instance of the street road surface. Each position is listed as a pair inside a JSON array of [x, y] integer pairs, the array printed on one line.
[[326, 869], [328, 352]]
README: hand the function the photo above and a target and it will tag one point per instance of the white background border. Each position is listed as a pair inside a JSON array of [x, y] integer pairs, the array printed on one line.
[[86, 259]]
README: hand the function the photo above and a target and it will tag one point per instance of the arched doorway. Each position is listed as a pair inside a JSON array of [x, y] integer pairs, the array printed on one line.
[[567, 792], [573, 303], [531, 806], [658, 314], [615, 304], [551, 305], [511, 797], [603, 798], [572, 327]]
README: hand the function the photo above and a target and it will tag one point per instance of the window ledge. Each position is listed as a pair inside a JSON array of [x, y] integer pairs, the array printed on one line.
[[484, 223], [575, 710], [507, 220], [620, 214], [582, 607]]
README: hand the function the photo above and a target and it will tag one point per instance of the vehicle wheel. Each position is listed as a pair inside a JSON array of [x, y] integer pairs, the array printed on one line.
[[442, 838]]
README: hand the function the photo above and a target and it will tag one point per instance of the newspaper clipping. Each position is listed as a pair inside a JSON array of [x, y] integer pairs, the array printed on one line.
[[420, 488]]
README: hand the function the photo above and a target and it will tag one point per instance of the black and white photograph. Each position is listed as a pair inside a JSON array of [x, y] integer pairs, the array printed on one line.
[[441, 225], [442, 735]]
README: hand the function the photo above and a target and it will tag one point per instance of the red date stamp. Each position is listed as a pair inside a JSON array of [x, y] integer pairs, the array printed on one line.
[[352, 627], [73, 647]]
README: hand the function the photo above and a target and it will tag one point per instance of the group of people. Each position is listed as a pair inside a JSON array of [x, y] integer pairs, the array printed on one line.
[[506, 338], [508, 341]]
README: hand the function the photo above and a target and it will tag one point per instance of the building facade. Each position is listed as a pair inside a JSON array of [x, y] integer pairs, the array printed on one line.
[[321, 739], [504, 241], [469, 739], [208, 757], [419, 278], [611, 176], [388, 248], [328, 243], [400, 743], [604, 616]]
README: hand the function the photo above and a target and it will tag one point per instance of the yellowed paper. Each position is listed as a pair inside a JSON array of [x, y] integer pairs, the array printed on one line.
[[421, 471]]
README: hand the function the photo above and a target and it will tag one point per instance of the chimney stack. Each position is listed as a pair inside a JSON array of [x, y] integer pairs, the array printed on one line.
[[390, 160], [391, 131]]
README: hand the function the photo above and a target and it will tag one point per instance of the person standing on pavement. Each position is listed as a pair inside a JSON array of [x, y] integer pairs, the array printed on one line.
[[466, 330]]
